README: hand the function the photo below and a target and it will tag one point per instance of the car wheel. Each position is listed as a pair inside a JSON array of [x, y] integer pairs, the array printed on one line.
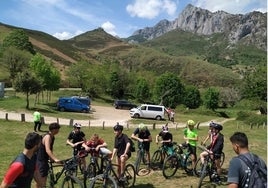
[[62, 109], [136, 116], [158, 118]]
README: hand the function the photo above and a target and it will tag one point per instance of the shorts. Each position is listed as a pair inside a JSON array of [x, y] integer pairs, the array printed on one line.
[[105, 151], [217, 155], [192, 150], [146, 146], [43, 168]]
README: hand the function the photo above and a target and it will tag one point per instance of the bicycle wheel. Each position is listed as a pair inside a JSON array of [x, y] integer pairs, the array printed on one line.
[[198, 167], [222, 158], [138, 161], [50, 181], [187, 163], [71, 182], [99, 182], [91, 170], [156, 159], [203, 174], [130, 175], [170, 166]]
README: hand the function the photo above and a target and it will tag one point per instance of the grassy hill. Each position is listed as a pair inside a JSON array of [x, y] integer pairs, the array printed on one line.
[[199, 60]]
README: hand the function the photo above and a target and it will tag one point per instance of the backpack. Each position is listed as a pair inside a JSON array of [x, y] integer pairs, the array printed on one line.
[[258, 177], [132, 145]]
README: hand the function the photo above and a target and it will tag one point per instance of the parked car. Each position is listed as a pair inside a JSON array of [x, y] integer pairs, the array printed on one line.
[[148, 111], [123, 104], [72, 104]]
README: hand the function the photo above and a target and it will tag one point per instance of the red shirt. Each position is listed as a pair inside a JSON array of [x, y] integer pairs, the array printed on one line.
[[92, 144]]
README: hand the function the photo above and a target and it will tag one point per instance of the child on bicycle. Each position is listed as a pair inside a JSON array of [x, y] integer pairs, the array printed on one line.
[[166, 142], [75, 139], [216, 147], [144, 136], [191, 138], [121, 150], [209, 135]]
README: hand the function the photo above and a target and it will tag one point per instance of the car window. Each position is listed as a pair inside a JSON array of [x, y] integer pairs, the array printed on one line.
[[143, 108]]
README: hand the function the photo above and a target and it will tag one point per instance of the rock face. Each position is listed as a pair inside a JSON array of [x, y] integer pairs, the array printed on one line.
[[251, 27]]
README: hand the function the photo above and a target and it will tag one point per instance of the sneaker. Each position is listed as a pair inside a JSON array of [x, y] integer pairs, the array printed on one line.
[[217, 180], [122, 179]]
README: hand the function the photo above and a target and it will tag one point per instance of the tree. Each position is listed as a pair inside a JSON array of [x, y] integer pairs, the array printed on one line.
[[78, 74], [116, 86], [16, 60], [211, 99], [26, 83], [18, 39], [142, 90], [169, 90], [192, 98]]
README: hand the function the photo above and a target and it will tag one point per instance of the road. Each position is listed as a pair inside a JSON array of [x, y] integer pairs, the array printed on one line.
[[107, 116]]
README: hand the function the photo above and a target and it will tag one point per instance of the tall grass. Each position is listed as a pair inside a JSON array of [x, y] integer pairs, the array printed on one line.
[[13, 133]]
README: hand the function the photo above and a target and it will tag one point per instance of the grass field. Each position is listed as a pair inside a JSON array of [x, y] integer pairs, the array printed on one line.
[[13, 133]]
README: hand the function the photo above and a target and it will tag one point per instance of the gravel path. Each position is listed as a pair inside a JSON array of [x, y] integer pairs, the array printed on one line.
[[107, 116]]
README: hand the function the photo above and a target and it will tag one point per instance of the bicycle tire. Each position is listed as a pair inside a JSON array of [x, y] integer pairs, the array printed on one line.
[[98, 182], [156, 159], [138, 161], [130, 175], [50, 181], [198, 167], [187, 163], [90, 173], [71, 182], [203, 174], [170, 166]]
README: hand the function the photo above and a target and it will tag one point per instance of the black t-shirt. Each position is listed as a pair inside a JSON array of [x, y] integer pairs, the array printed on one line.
[[120, 144], [76, 137], [166, 136]]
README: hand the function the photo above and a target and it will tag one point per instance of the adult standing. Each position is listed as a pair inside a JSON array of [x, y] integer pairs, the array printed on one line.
[[45, 153], [37, 120], [21, 170], [121, 150], [143, 135], [239, 173]]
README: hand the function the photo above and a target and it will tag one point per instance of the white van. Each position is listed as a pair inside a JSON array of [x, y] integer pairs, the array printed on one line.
[[148, 111]]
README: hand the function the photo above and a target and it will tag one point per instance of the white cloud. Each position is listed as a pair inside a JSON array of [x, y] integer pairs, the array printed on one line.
[[66, 35], [151, 8], [109, 28], [232, 6]]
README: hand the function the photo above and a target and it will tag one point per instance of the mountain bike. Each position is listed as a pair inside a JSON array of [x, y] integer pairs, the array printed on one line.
[[158, 157], [93, 168], [207, 169], [68, 170], [109, 177], [141, 157], [179, 159]]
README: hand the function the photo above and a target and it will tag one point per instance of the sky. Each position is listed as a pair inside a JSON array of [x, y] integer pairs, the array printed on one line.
[[65, 19]]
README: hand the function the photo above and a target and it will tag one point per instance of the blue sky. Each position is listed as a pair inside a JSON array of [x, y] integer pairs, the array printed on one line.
[[67, 18]]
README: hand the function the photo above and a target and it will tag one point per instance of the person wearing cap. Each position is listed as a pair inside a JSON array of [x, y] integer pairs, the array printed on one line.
[[45, 153], [216, 147], [166, 141], [21, 170], [190, 136], [121, 150], [143, 135], [75, 139]]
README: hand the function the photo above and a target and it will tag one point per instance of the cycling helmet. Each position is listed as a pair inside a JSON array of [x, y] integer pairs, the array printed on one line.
[[217, 126], [118, 127], [77, 125], [190, 122], [142, 127], [211, 124]]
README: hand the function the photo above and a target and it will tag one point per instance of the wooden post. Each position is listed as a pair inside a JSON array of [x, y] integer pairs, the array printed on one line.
[[42, 120], [89, 124], [71, 122], [153, 126], [23, 117], [127, 126], [103, 123], [7, 116], [58, 120]]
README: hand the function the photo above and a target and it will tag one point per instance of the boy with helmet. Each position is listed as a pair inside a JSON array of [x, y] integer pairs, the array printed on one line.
[[75, 139], [121, 150], [167, 139], [216, 147], [144, 136], [191, 138]]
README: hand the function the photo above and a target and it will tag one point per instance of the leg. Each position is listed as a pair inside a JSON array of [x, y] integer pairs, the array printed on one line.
[[39, 126], [123, 160], [119, 166], [218, 166], [202, 156], [35, 125]]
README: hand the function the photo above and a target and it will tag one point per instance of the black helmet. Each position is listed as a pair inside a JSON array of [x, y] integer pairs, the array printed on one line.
[[217, 126], [118, 127], [77, 125]]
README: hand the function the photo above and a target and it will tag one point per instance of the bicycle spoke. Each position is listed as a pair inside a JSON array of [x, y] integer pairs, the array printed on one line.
[[130, 175], [100, 182], [170, 166]]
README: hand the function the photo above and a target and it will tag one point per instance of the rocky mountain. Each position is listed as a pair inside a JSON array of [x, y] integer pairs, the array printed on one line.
[[250, 28]]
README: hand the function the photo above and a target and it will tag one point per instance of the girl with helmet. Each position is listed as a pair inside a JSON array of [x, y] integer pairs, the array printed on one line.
[[142, 134], [209, 135], [121, 150], [216, 147]]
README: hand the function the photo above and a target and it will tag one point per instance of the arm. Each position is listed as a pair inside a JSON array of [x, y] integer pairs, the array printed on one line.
[[232, 185], [47, 141], [156, 139], [114, 152], [104, 144], [13, 172], [134, 137]]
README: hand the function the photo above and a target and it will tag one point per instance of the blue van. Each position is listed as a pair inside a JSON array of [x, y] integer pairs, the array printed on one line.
[[73, 104]]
